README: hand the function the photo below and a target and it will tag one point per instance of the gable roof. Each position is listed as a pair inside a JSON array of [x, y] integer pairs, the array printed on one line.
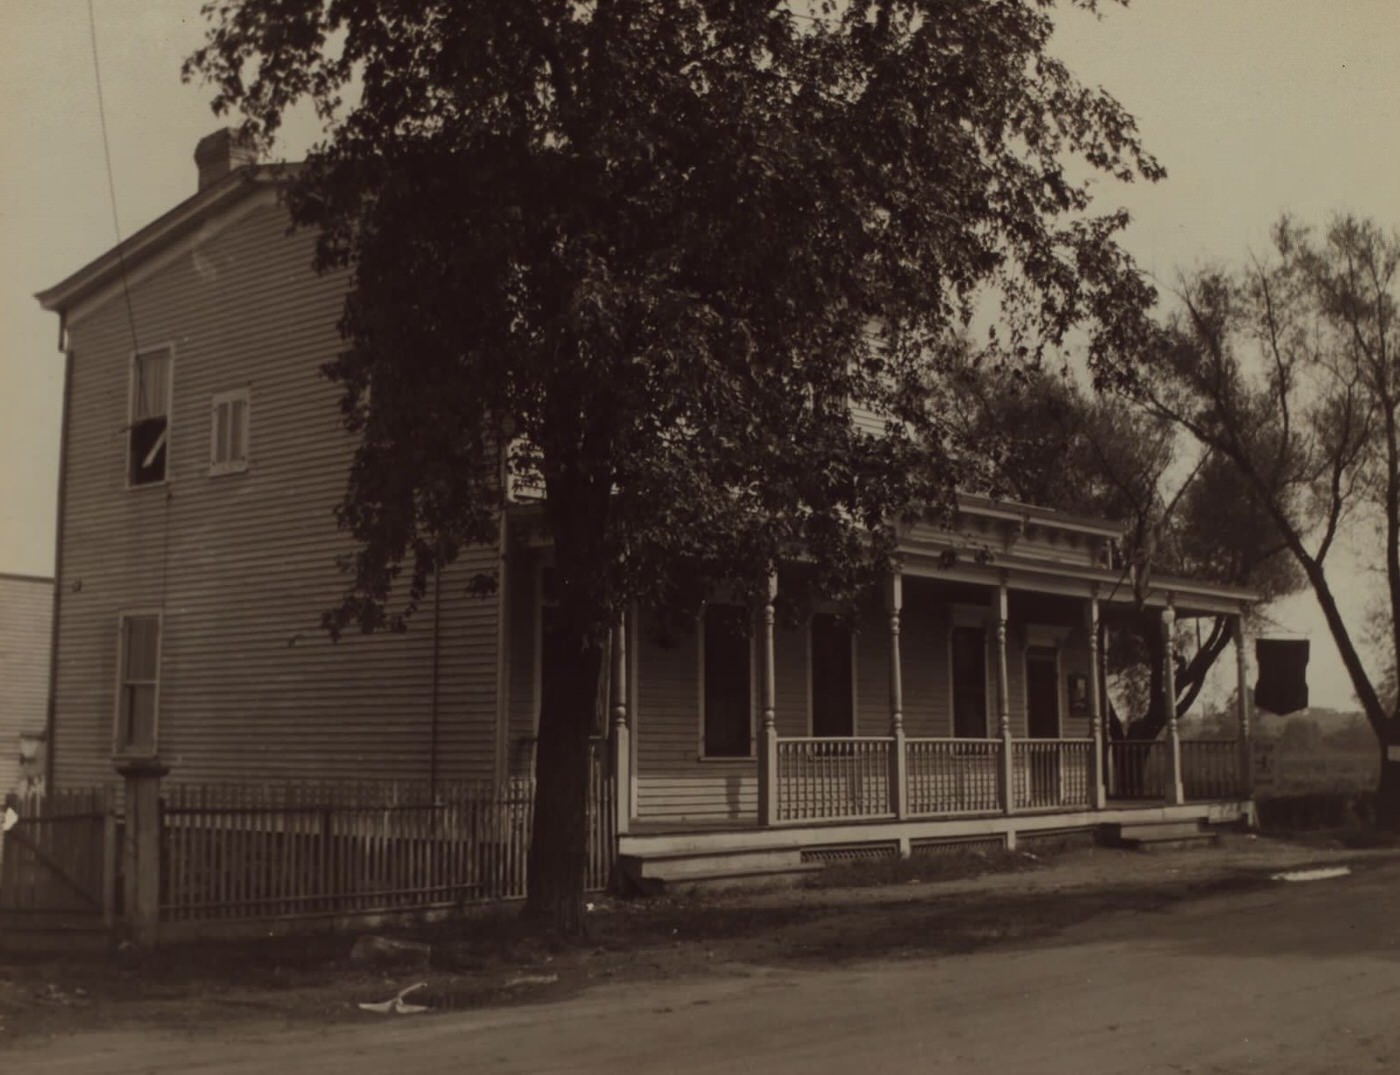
[[160, 233]]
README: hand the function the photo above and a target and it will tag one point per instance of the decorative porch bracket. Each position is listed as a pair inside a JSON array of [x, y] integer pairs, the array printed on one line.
[[1242, 701], [768, 747], [621, 733], [1008, 792], [1096, 722], [899, 764], [1177, 790]]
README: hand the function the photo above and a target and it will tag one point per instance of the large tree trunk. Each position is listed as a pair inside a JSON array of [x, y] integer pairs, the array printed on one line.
[[577, 498], [1388, 790], [558, 839]]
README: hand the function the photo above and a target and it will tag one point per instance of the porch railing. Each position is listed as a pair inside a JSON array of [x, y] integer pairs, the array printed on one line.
[[837, 779], [1137, 768], [1210, 768], [1052, 773], [953, 776], [833, 779]]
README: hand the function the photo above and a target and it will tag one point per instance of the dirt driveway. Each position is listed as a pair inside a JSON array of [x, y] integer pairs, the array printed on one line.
[[1099, 963]]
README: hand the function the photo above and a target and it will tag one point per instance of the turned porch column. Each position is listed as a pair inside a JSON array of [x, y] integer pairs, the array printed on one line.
[[768, 746], [621, 733], [1242, 704], [1176, 793], [1008, 794], [899, 773], [1096, 721]]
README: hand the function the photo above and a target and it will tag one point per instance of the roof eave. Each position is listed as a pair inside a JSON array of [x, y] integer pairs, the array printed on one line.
[[97, 273]]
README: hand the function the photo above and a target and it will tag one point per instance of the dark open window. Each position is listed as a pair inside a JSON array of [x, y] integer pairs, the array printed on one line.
[[969, 682], [728, 720], [150, 418], [833, 711]]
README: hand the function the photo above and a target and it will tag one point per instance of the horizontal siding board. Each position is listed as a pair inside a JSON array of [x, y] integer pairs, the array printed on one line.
[[244, 565], [26, 617]]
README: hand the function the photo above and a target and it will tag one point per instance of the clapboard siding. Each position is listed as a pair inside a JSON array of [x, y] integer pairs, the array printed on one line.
[[923, 655], [672, 781], [26, 614], [243, 565]]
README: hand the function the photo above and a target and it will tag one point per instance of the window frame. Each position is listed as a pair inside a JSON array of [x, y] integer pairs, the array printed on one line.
[[853, 639], [700, 749], [120, 748], [133, 364], [218, 467], [980, 625]]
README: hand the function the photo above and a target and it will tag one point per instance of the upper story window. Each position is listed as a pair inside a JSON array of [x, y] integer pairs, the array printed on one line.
[[148, 433], [228, 432]]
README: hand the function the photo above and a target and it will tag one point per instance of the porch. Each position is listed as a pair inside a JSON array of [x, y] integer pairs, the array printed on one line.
[[985, 683]]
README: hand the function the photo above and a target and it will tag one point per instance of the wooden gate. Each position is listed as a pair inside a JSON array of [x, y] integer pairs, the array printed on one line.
[[59, 862]]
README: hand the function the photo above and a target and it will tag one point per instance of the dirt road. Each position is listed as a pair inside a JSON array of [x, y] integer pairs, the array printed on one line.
[[1291, 978]]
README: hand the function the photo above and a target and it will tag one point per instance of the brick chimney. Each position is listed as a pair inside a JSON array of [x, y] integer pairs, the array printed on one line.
[[220, 153]]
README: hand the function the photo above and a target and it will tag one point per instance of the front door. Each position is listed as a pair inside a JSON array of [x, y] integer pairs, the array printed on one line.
[[1043, 722]]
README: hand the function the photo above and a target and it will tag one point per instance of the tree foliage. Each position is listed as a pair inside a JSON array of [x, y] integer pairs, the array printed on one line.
[[654, 253], [1049, 441], [1289, 369]]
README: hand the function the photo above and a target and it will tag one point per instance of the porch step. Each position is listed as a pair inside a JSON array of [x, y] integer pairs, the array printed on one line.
[[1160, 835], [653, 872]]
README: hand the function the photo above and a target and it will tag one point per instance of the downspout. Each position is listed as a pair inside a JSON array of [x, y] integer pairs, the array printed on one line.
[[50, 722], [502, 649]]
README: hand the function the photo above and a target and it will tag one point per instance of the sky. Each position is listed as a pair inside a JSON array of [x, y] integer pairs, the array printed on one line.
[[1255, 107]]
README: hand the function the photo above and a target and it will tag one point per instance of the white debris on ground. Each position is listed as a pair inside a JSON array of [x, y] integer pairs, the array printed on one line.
[[1321, 874], [396, 1004]]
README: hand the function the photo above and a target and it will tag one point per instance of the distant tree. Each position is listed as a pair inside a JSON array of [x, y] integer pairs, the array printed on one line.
[[1289, 370], [663, 246], [1049, 441]]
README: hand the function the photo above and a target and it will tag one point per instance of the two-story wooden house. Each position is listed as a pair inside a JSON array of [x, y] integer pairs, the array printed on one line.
[[203, 454]]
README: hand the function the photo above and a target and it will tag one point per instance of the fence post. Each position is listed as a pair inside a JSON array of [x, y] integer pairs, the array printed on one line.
[[141, 850], [109, 860]]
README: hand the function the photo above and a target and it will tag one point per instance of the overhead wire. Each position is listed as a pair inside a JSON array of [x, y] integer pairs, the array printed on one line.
[[111, 181]]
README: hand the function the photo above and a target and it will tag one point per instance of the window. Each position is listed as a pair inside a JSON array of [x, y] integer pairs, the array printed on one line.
[[969, 645], [150, 417], [833, 709], [727, 684], [139, 661], [228, 432]]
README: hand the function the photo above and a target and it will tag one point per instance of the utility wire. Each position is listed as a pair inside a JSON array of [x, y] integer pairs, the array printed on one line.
[[111, 183]]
